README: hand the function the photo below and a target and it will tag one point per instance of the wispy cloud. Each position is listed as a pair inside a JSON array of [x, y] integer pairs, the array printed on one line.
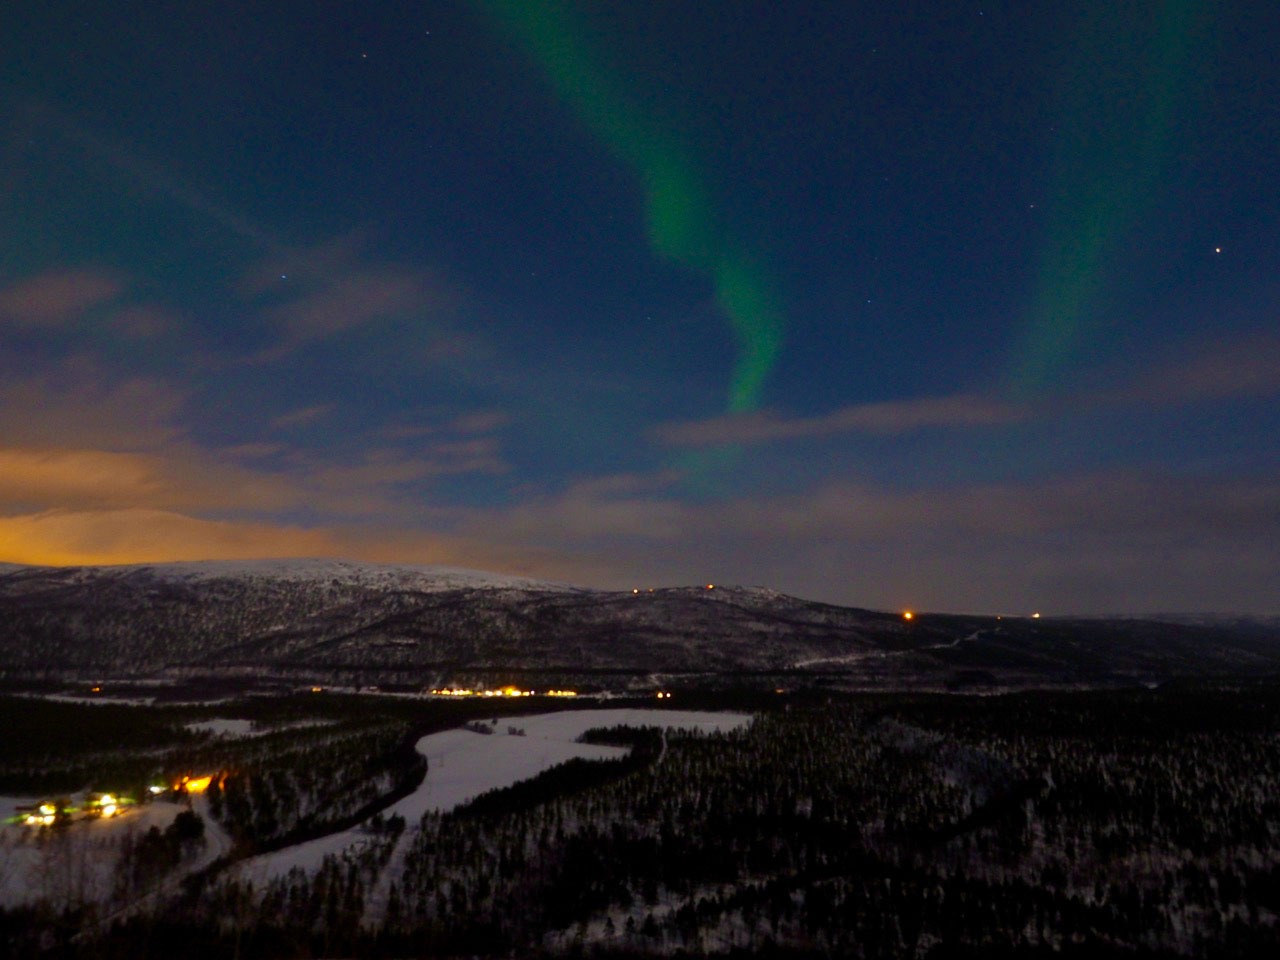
[[148, 536], [358, 297], [883, 418], [57, 296], [302, 415], [184, 476], [1105, 542], [145, 321], [143, 172], [177, 476], [437, 423], [313, 294], [1245, 367], [81, 404], [62, 537], [480, 421], [1217, 370]]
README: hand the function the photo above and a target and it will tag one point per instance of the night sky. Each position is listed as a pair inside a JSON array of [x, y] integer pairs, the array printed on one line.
[[957, 306]]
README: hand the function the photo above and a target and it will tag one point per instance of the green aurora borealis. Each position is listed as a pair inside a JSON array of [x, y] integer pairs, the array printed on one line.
[[948, 306], [1122, 91], [682, 221]]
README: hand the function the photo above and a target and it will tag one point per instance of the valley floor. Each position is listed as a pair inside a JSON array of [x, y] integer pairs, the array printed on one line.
[[1104, 823]]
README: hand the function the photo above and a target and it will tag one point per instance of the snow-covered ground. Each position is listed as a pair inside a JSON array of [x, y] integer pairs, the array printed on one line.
[[9, 805], [462, 764], [421, 577], [94, 700], [235, 729], [222, 727], [77, 862]]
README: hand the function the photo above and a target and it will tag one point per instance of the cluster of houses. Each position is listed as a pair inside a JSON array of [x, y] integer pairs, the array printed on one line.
[[100, 806], [500, 692], [94, 806]]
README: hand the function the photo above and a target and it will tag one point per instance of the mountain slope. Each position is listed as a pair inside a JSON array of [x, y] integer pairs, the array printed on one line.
[[420, 624]]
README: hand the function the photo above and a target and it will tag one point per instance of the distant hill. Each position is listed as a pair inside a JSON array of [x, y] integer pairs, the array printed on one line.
[[371, 623]]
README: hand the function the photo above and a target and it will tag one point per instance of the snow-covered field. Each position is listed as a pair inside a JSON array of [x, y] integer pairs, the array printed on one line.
[[236, 729], [77, 862], [463, 764], [9, 805], [222, 727]]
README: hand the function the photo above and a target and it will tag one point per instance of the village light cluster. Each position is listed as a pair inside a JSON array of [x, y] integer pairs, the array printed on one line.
[[43, 816], [47, 813], [503, 692]]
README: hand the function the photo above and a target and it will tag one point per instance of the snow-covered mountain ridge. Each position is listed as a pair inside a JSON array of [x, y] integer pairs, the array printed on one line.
[[382, 575], [381, 623]]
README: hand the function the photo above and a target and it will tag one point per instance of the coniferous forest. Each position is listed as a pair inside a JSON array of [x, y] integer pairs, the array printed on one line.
[[1136, 823]]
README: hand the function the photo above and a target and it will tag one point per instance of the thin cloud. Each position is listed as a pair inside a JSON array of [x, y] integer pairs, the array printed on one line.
[[60, 537], [183, 476], [1097, 543], [356, 299], [58, 296], [313, 294], [178, 476], [1219, 370], [145, 322], [379, 473], [77, 477], [81, 405], [72, 537], [142, 172], [481, 421], [474, 423], [882, 419], [302, 415]]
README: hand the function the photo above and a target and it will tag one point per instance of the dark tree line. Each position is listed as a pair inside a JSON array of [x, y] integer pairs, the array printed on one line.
[[1129, 823]]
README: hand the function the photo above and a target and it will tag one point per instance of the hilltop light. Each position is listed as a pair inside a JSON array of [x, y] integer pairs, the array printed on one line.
[[908, 615], [1035, 616]]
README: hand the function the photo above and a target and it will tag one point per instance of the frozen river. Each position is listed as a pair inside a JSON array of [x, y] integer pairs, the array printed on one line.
[[463, 764]]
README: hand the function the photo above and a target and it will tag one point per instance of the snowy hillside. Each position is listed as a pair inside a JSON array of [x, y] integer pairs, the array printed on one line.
[[383, 576], [365, 623]]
